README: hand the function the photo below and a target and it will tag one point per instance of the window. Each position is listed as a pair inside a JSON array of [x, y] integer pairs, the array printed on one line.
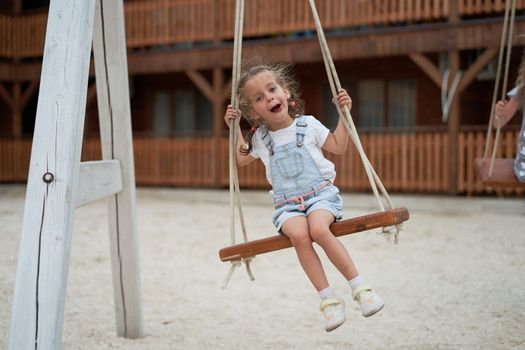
[[162, 120], [370, 103], [386, 103], [182, 113], [401, 103]]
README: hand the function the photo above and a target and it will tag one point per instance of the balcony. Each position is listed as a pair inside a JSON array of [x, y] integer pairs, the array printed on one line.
[[197, 23]]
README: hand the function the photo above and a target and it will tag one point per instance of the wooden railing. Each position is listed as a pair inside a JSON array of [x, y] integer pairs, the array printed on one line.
[[154, 23], [416, 162]]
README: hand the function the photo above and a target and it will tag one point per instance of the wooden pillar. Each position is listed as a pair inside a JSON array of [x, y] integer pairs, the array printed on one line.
[[17, 6], [453, 117], [453, 127], [112, 86], [10, 100], [45, 243], [16, 126], [218, 121], [214, 92]]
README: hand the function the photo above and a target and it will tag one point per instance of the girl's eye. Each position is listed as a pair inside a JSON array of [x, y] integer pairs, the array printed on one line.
[[273, 88], [257, 98]]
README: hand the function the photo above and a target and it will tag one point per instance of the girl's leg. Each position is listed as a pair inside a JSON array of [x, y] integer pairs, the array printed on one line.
[[296, 228], [319, 222]]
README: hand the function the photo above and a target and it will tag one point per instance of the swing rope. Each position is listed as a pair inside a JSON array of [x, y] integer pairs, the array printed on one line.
[[508, 29], [235, 196], [335, 86]]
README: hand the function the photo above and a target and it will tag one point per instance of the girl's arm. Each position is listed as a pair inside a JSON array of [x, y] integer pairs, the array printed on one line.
[[505, 110], [229, 117], [337, 141]]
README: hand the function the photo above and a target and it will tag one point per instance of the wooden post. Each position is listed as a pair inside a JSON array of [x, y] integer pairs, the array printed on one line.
[[453, 117], [218, 121], [17, 6], [111, 72], [17, 110], [45, 245], [215, 94]]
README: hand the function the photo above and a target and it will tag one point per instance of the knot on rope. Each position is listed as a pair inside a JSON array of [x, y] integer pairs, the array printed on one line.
[[391, 233], [234, 265]]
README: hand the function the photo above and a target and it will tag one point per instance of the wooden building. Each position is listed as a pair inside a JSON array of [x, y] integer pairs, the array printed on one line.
[[394, 56]]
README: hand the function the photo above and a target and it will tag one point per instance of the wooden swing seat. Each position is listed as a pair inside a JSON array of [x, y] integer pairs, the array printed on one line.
[[340, 228], [502, 173]]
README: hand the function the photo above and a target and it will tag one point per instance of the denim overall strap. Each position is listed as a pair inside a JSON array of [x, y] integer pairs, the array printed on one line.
[[267, 139], [300, 127], [293, 170]]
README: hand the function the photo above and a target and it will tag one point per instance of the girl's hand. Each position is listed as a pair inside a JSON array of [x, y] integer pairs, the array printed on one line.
[[503, 113], [230, 115], [343, 99]]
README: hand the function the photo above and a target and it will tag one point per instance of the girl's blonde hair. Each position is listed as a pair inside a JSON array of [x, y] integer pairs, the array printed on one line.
[[284, 77]]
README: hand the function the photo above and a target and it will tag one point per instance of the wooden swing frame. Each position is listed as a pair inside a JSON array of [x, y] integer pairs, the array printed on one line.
[[250, 249]]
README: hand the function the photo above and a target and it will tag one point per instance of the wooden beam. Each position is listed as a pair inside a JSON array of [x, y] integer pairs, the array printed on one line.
[[19, 102], [428, 67], [472, 72], [7, 97], [418, 39], [201, 82], [111, 71], [28, 93], [45, 242], [96, 180], [20, 71]]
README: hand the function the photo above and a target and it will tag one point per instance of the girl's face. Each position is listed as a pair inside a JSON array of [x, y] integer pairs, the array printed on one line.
[[268, 100]]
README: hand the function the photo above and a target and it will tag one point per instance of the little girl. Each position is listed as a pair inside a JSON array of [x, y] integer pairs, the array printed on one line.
[[306, 200]]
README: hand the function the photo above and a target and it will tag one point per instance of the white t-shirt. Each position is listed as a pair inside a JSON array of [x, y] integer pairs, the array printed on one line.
[[315, 137], [513, 92]]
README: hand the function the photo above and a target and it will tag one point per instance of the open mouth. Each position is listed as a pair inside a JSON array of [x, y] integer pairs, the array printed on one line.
[[276, 108]]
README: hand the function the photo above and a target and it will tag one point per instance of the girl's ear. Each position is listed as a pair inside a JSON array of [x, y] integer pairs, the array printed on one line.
[[286, 92]]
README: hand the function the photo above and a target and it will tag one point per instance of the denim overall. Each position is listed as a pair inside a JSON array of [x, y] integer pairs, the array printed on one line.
[[298, 186]]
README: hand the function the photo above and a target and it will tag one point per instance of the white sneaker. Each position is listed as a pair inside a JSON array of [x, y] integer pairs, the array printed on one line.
[[333, 310], [368, 300]]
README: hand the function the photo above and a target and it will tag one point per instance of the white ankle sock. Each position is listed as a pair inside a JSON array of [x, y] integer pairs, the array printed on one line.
[[355, 282], [326, 293]]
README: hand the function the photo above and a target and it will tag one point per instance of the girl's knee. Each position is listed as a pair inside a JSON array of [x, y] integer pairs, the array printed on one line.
[[299, 238], [320, 233]]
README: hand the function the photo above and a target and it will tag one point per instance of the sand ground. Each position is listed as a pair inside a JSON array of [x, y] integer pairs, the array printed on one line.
[[455, 281]]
